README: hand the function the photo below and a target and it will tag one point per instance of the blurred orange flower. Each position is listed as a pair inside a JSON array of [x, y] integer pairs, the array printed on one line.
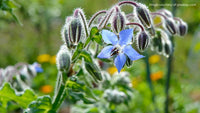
[[46, 89], [43, 58], [113, 70], [53, 59], [156, 76], [154, 59]]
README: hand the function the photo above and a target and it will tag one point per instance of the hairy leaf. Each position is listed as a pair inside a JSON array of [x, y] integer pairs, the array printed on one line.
[[41, 105], [95, 35], [7, 93]]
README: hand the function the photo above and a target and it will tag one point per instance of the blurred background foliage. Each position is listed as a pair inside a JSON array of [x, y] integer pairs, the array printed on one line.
[[39, 35]]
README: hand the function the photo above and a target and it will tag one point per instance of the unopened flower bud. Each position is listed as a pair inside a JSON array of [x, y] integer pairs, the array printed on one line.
[[165, 12], [64, 32], [158, 40], [93, 70], [121, 79], [63, 59], [167, 49], [74, 31], [182, 28], [115, 96], [143, 41], [143, 15], [118, 21], [170, 26]]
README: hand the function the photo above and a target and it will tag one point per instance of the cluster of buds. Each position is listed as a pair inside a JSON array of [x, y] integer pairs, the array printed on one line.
[[172, 26], [115, 96], [20, 75], [161, 43], [76, 30], [142, 18]]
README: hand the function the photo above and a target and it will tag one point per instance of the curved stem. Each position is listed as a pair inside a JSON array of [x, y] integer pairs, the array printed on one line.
[[178, 19], [159, 14], [133, 23], [158, 25], [105, 19], [95, 16], [130, 15], [85, 24], [128, 2]]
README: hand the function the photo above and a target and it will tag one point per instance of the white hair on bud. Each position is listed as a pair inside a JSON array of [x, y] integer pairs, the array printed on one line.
[[64, 28], [63, 50], [144, 7], [166, 40], [83, 19]]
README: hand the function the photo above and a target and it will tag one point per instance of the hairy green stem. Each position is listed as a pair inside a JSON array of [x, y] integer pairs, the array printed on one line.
[[169, 68], [60, 92], [148, 76]]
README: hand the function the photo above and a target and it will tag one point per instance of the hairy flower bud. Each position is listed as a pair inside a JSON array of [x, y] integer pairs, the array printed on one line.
[[165, 12], [158, 40], [74, 31], [167, 49], [118, 21], [64, 32], [115, 96], [63, 59], [122, 78], [93, 70], [170, 26], [142, 41], [182, 27], [143, 15]]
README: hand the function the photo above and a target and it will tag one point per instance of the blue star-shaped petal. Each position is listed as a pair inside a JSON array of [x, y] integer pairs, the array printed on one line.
[[119, 47], [37, 67]]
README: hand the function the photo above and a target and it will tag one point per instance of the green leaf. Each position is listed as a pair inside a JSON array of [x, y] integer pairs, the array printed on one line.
[[86, 55], [41, 105], [9, 5], [87, 42], [77, 51], [93, 70], [95, 35], [78, 91], [7, 93]]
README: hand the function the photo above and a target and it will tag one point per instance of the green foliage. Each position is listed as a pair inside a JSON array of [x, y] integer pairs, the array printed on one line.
[[95, 35], [41, 105], [8, 6], [7, 93]]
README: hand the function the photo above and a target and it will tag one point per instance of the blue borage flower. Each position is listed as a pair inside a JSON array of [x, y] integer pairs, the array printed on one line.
[[37, 67], [120, 47]]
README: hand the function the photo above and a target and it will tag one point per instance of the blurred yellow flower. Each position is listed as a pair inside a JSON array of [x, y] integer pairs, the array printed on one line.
[[154, 59], [156, 76], [135, 81], [53, 59], [157, 20], [43, 58], [113, 70], [46, 89]]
